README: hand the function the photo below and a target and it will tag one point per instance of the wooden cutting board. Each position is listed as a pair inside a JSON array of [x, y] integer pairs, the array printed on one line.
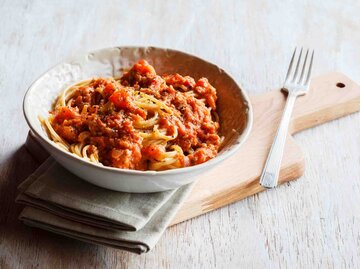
[[331, 96]]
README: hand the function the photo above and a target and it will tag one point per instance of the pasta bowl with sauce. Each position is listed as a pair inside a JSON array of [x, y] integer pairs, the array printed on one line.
[[234, 115]]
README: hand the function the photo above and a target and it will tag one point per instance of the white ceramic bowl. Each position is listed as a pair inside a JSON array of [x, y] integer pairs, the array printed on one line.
[[233, 107]]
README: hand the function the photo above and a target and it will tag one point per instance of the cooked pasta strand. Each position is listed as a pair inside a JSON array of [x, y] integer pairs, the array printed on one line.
[[88, 115]]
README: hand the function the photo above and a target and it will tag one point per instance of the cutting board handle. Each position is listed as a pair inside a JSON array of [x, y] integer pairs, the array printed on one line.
[[331, 96]]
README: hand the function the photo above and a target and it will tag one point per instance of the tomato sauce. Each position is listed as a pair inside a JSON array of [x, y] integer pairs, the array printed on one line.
[[106, 110]]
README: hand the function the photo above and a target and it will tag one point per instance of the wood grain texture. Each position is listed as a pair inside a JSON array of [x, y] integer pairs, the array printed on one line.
[[238, 177], [311, 222]]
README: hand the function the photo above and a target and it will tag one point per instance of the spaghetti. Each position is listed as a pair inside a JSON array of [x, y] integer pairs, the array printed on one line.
[[140, 121]]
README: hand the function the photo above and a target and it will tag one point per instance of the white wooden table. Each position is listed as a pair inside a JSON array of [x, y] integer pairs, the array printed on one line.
[[312, 222]]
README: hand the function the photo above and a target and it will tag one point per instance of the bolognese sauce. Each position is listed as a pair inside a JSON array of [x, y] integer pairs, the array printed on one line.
[[140, 121]]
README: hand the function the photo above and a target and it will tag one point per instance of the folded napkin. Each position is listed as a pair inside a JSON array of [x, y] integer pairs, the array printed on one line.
[[60, 202]]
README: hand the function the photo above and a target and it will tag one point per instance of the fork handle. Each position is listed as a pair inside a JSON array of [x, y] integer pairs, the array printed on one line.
[[270, 175]]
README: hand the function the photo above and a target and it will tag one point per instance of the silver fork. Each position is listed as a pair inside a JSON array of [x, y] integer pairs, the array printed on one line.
[[296, 84]]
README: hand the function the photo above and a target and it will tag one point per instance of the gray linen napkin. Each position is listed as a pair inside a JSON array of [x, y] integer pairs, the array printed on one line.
[[60, 202]]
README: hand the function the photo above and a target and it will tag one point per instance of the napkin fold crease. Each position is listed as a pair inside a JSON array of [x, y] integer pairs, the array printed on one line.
[[60, 202]]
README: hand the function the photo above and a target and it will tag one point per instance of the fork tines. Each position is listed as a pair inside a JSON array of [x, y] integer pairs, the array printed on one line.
[[293, 75]]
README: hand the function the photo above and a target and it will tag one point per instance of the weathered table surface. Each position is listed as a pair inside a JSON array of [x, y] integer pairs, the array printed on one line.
[[312, 222]]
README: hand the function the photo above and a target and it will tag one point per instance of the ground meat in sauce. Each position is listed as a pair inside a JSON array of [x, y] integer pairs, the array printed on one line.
[[109, 115]]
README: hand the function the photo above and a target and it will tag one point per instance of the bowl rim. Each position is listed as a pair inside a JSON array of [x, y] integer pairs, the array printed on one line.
[[243, 136]]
